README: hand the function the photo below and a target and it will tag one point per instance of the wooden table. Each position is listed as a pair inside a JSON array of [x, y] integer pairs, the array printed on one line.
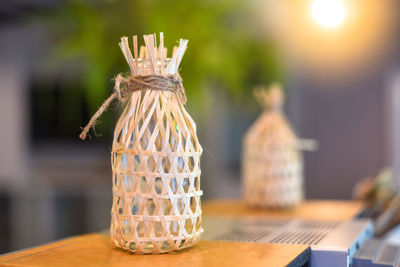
[[97, 250], [311, 209]]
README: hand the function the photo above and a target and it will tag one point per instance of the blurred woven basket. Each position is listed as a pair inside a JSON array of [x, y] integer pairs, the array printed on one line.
[[272, 163]]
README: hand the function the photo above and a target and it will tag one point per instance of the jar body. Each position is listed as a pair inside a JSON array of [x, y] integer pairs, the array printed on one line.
[[156, 175]]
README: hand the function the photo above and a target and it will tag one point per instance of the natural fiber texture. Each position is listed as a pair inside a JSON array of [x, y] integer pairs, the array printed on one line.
[[136, 83], [272, 167], [155, 159]]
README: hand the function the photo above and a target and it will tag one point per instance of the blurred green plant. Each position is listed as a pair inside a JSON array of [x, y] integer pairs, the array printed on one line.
[[226, 49]]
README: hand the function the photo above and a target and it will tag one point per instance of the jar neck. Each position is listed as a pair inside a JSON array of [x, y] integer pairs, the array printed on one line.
[[145, 66]]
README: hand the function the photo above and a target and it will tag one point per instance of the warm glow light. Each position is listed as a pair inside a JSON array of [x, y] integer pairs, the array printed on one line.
[[329, 13]]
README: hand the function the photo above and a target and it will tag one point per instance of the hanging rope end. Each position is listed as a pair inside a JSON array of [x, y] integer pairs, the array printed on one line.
[[83, 134], [98, 113]]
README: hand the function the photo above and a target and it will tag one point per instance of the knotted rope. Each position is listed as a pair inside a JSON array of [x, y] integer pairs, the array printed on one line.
[[137, 83]]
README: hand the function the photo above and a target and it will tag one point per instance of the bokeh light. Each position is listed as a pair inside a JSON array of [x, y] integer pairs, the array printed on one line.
[[328, 13]]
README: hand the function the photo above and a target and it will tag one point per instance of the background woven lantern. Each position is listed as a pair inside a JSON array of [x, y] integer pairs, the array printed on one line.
[[272, 164], [155, 154]]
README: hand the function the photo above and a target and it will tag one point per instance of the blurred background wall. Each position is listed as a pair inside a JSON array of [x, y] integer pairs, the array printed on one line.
[[57, 59]]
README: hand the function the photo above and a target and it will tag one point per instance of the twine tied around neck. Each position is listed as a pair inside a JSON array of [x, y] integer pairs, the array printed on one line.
[[170, 83]]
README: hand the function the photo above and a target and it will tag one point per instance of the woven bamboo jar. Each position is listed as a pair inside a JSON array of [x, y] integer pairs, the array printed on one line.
[[272, 164], [156, 166]]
